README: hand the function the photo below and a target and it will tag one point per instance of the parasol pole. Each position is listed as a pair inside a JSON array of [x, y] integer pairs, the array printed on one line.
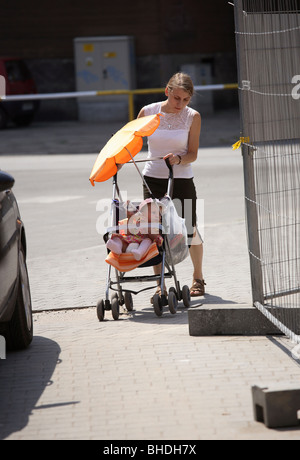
[[151, 194]]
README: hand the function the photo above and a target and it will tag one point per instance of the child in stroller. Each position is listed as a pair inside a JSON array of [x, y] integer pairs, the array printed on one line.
[[140, 233]]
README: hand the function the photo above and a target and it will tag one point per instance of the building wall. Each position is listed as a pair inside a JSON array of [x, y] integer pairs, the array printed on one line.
[[167, 35], [45, 29]]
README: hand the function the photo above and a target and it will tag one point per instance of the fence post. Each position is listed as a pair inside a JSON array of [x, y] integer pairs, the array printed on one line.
[[248, 164], [252, 225]]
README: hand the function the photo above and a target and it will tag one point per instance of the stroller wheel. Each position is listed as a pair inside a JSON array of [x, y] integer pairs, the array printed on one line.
[[114, 296], [157, 304], [128, 301], [115, 308], [172, 300], [100, 310], [173, 289], [186, 296]]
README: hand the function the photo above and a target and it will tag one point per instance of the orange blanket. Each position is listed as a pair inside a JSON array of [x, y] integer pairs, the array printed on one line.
[[125, 262]]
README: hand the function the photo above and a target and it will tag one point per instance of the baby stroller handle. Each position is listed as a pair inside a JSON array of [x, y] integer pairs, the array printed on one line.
[[170, 179], [170, 167]]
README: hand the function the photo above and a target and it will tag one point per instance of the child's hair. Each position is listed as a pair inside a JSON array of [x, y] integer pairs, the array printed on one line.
[[148, 202], [183, 81]]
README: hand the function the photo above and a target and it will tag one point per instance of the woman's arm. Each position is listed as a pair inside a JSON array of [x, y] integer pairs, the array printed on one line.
[[141, 113], [193, 144]]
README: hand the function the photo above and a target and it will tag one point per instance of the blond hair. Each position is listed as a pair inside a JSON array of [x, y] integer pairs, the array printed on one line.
[[183, 81]]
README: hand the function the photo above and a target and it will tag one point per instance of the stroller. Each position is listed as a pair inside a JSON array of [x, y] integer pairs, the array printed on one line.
[[173, 250]]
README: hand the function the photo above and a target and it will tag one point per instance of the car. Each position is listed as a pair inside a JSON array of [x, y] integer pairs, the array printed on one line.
[[16, 324], [18, 80]]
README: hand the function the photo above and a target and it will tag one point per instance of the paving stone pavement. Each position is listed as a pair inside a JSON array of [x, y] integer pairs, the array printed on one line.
[[141, 377]]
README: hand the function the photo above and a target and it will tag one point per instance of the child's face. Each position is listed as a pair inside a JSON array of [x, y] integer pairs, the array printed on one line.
[[151, 212]]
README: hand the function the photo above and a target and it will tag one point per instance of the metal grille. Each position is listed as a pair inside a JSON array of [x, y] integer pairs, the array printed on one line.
[[268, 53]]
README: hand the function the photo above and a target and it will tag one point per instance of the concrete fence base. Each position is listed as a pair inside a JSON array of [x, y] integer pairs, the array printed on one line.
[[230, 319]]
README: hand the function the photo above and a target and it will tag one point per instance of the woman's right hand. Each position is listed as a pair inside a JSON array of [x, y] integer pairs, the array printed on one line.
[[173, 159]]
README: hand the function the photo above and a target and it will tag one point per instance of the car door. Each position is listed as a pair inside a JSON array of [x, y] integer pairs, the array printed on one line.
[[8, 243]]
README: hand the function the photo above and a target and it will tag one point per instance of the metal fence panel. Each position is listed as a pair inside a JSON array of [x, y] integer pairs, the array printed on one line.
[[268, 54]]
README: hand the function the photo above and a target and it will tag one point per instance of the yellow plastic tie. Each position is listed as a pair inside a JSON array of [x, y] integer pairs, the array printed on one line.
[[239, 143]]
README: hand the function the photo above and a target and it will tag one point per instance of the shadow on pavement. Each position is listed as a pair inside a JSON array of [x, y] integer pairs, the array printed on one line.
[[147, 314], [214, 299], [34, 368]]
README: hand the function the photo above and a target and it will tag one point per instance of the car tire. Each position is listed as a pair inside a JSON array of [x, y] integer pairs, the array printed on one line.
[[19, 332], [23, 120]]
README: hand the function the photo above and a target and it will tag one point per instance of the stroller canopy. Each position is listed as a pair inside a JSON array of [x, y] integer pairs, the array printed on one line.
[[116, 151]]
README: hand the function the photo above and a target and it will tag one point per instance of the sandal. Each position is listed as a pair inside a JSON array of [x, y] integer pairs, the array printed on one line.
[[158, 291], [197, 288]]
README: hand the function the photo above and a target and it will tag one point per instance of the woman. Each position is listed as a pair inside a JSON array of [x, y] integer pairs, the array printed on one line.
[[177, 138]]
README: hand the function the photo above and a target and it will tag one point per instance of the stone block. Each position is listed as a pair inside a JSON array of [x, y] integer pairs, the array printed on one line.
[[229, 319], [276, 406]]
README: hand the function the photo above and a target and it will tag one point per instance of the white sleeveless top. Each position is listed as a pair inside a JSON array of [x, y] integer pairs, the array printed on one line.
[[171, 136]]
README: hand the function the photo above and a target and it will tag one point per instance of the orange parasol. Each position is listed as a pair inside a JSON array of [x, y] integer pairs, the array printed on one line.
[[124, 145]]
